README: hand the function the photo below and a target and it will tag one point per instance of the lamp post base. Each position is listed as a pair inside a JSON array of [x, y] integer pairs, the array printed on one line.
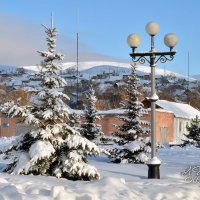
[[154, 171]]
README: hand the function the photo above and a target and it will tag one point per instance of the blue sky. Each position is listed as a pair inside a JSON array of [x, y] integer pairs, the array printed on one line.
[[103, 27]]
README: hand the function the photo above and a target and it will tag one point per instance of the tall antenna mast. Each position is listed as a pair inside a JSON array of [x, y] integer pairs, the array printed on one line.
[[188, 69], [77, 65], [188, 78], [51, 20], [77, 58]]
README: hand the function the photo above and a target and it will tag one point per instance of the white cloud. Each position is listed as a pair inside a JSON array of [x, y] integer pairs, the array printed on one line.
[[20, 40]]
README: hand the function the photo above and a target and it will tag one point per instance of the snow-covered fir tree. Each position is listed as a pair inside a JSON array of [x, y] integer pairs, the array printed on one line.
[[132, 146], [90, 129], [52, 147], [74, 121], [193, 137]]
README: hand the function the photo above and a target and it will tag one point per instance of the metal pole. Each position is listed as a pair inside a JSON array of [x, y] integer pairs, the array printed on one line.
[[153, 107], [188, 84], [153, 102], [51, 20], [77, 70], [154, 163]]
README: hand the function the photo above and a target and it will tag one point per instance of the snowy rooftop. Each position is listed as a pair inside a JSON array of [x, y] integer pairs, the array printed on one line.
[[100, 112], [179, 109], [112, 111]]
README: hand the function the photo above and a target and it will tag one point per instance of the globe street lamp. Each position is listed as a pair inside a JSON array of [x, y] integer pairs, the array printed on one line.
[[152, 57]]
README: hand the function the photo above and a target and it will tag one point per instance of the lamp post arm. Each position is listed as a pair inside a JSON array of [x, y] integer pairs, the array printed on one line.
[[143, 57], [156, 53], [140, 59], [164, 58]]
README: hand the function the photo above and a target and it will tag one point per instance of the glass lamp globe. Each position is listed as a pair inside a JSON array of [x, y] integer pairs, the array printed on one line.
[[170, 40], [152, 28], [134, 40]]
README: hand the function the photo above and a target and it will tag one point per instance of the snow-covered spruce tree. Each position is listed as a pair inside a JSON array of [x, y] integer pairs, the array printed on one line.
[[74, 120], [132, 146], [90, 129], [52, 147], [193, 137]]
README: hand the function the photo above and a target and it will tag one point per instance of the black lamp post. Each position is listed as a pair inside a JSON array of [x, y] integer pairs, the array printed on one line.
[[152, 57]]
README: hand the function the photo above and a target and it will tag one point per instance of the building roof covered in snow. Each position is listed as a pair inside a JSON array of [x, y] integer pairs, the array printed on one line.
[[117, 111], [181, 110]]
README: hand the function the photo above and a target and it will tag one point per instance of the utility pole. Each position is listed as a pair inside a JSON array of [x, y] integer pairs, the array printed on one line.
[[188, 70], [188, 84], [77, 74], [51, 20]]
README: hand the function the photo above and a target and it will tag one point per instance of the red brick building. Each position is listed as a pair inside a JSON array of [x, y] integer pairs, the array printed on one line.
[[164, 123], [108, 120], [171, 121], [7, 126]]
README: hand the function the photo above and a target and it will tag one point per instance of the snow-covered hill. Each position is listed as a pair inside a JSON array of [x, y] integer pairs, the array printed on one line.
[[105, 74], [97, 67], [8, 69], [197, 77], [101, 66]]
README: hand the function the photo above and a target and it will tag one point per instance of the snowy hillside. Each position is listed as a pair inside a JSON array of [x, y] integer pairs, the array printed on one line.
[[89, 69], [196, 76], [8, 69], [101, 66], [95, 67], [105, 75]]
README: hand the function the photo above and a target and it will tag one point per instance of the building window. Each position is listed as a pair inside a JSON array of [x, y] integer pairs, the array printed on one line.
[[164, 138], [180, 126], [5, 124]]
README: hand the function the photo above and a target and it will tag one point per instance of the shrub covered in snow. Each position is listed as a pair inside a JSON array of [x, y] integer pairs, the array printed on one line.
[[193, 138], [52, 147]]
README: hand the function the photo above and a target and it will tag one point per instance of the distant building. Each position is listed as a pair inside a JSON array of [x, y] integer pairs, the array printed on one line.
[[7, 126], [171, 121], [164, 125], [171, 124]]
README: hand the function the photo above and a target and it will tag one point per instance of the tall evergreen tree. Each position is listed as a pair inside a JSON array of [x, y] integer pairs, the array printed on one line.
[[133, 148], [90, 129], [52, 147], [74, 120], [193, 137]]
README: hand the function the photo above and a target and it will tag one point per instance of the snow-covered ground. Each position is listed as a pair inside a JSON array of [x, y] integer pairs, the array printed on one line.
[[118, 181]]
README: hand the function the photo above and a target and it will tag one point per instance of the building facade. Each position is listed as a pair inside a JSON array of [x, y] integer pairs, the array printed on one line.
[[171, 121], [7, 126]]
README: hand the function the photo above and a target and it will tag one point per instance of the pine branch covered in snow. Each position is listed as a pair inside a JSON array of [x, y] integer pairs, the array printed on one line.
[[74, 121], [52, 147]]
